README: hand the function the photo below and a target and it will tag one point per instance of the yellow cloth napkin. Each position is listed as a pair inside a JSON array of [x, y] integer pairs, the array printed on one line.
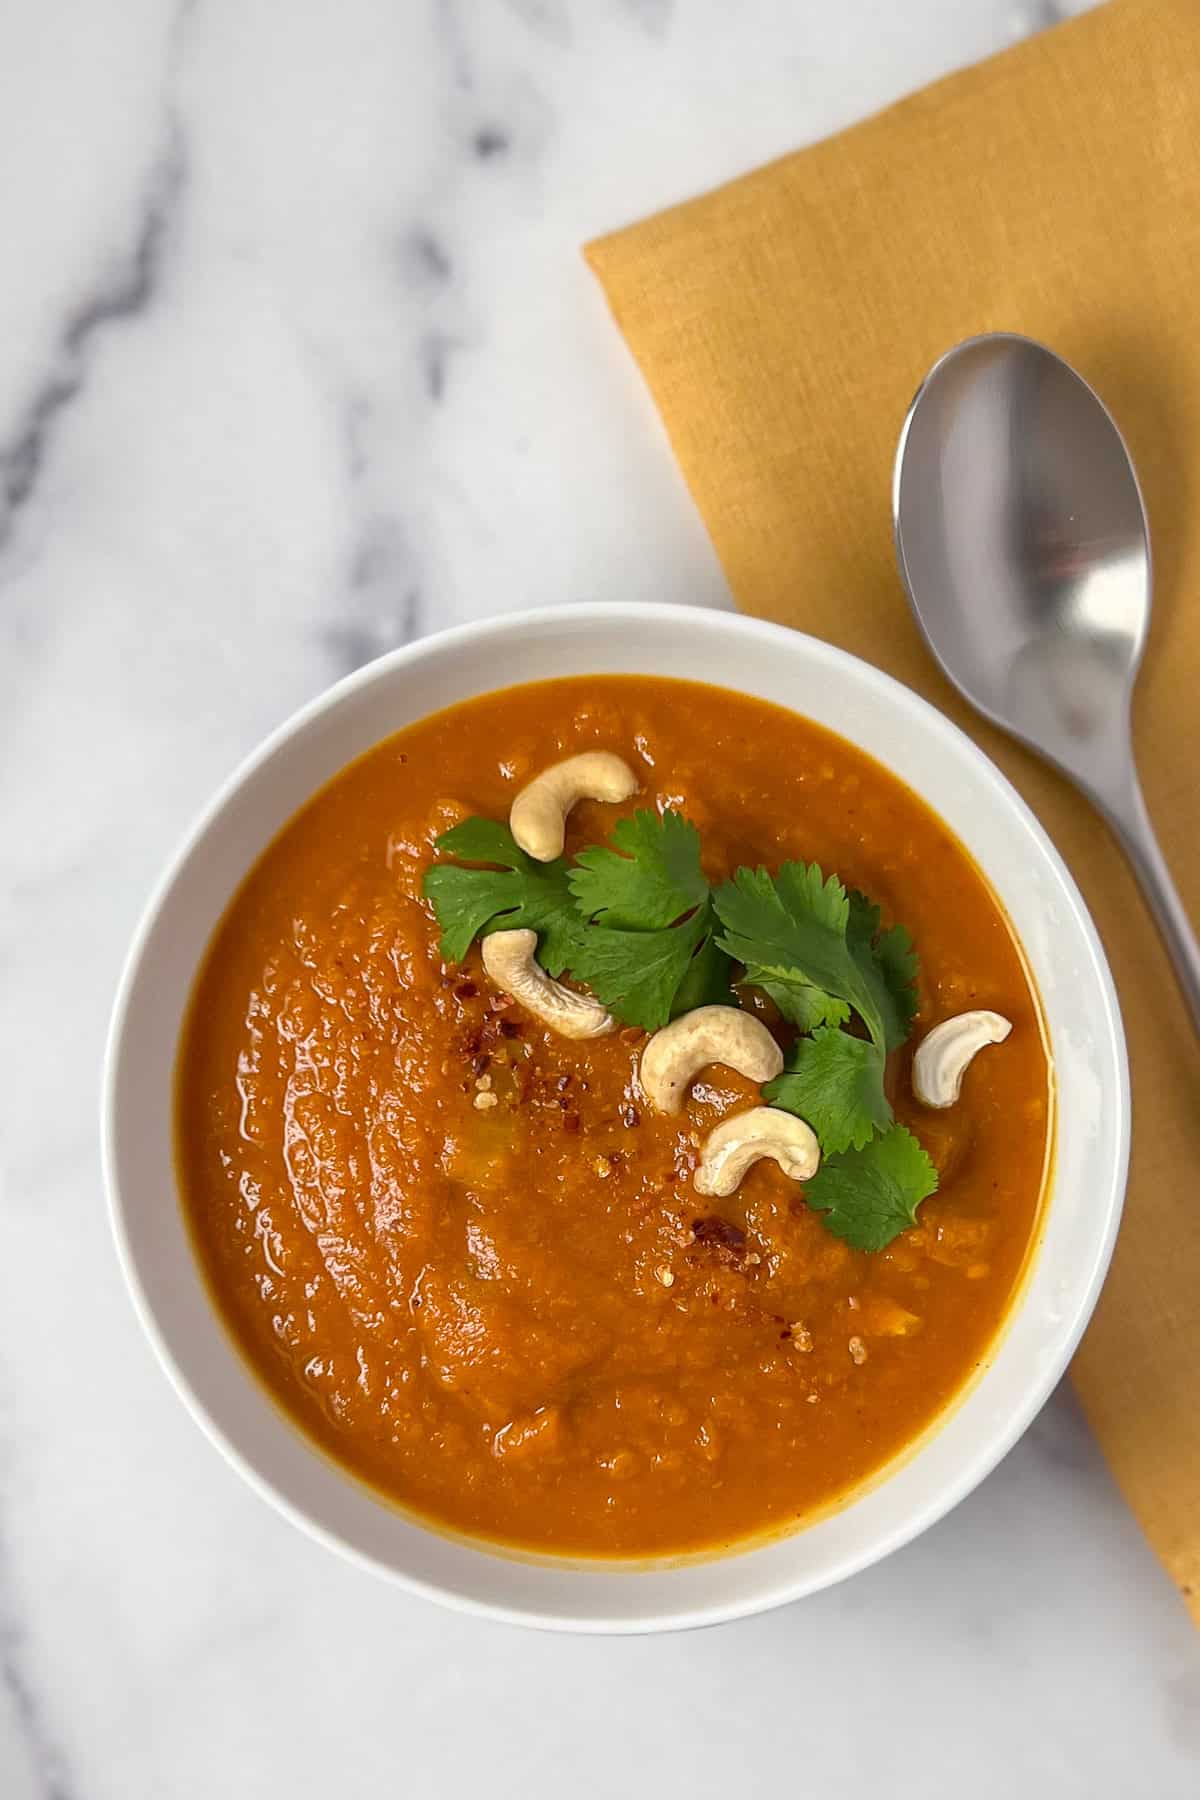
[[783, 323]]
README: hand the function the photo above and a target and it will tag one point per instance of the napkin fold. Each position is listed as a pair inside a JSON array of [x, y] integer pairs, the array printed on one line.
[[783, 323]]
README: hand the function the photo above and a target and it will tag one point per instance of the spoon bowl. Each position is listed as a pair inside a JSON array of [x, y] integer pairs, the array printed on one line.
[[1023, 543]]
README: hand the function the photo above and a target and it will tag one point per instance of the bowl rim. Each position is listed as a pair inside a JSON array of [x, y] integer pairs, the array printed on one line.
[[997, 1442]]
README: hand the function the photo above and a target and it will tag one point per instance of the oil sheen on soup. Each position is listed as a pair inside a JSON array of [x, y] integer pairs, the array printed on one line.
[[466, 1255]]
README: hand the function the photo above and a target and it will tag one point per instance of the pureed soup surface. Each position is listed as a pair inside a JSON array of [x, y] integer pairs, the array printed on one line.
[[467, 1305]]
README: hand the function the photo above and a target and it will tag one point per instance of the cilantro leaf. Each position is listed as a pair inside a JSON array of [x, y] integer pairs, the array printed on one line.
[[649, 880], [899, 966], [790, 933], [517, 894], [648, 953], [706, 982], [803, 1006], [835, 1083], [818, 952], [869, 1196], [888, 965], [638, 974]]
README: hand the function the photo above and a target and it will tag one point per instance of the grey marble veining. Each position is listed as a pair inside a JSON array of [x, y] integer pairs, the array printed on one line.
[[300, 360]]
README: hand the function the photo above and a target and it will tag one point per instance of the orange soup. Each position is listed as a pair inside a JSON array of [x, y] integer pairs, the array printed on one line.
[[468, 1255]]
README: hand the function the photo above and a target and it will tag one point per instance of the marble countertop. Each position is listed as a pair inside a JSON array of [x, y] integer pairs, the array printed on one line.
[[299, 359]]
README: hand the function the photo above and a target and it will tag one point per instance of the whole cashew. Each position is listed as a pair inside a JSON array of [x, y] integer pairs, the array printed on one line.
[[708, 1034], [539, 813], [945, 1053], [734, 1145], [510, 959]]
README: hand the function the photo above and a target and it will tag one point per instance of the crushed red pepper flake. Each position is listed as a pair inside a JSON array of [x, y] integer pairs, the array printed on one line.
[[722, 1232]]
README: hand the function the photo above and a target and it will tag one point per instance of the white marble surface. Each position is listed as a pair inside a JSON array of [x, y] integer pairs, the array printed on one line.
[[298, 358]]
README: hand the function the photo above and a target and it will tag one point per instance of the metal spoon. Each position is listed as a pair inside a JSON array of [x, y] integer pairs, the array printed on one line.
[[1023, 543]]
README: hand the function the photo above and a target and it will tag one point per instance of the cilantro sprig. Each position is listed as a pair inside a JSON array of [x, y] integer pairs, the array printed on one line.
[[835, 1083], [637, 922], [814, 948], [888, 966], [789, 933], [648, 951], [634, 922], [820, 954], [638, 974], [651, 877], [869, 1196], [513, 893]]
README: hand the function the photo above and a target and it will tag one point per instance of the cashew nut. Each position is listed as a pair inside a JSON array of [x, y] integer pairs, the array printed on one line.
[[539, 812], [510, 959], [738, 1142], [944, 1054], [675, 1055]]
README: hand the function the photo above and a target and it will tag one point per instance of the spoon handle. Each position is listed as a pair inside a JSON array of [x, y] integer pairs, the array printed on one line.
[[1132, 824]]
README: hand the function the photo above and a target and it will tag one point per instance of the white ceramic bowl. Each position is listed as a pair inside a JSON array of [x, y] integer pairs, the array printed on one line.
[[1068, 965]]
